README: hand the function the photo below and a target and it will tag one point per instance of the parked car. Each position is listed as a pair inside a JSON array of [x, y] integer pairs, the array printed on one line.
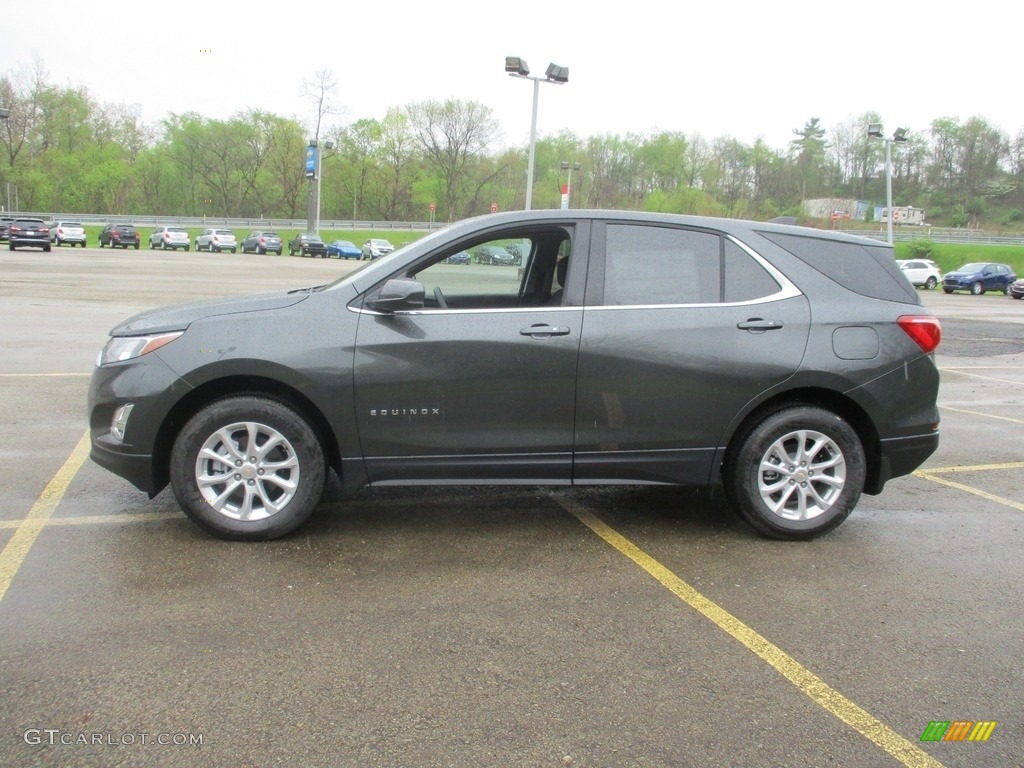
[[120, 235], [5, 222], [494, 254], [462, 257], [263, 242], [307, 244], [170, 238], [28, 232], [344, 249], [921, 272], [71, 232], [793, 366], [1017, 288], [217, 240], [375, 248], [978, 277]]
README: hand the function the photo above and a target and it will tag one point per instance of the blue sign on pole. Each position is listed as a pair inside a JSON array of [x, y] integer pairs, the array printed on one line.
[[310, 162]]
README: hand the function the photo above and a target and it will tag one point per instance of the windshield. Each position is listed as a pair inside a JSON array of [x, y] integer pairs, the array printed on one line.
[[972, 268]]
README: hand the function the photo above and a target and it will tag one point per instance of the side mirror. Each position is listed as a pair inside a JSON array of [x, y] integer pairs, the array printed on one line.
[[398, 294]]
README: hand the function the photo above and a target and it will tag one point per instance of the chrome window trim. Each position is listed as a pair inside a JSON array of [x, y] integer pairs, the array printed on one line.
[[787, 290]]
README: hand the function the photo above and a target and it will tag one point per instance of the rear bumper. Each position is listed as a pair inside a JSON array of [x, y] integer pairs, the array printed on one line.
[[901, 456]]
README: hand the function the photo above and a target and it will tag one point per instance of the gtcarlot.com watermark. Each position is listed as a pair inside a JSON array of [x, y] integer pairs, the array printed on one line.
[[57, 737]]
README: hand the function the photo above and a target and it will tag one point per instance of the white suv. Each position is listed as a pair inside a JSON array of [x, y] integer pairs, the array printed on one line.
[[375, 248], [921, 272], [170, 237], [70, 232], [217, 240]]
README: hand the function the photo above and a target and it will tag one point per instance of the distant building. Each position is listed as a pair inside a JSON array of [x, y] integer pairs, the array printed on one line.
[[906, 214], [837, 208]]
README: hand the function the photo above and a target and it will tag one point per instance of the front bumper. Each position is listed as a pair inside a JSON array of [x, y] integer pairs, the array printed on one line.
[[153, 388]]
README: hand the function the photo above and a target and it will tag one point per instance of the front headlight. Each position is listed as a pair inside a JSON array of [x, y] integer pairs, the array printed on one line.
[[121, 348]]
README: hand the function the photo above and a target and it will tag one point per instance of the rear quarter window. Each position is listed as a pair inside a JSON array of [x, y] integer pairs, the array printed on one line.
[[862, 268]]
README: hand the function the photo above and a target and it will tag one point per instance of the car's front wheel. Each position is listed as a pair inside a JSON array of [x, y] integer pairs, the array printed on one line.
[[797, 473], [977, 288], [248, 468]]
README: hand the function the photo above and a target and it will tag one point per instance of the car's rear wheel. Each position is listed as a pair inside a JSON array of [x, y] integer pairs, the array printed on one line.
[[797, 473], [977, 289], [248, 468], [930, 283]]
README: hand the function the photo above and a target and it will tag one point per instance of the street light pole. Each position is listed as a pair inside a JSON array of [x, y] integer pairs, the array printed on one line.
[[517, 67], [900, 134], [319, 179], [570, 167]]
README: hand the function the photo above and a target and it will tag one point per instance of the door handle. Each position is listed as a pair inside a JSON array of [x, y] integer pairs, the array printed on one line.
[[544, 331], [758, 325]]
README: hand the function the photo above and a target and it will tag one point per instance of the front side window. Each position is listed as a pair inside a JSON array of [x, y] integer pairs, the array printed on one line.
[[508, 271]]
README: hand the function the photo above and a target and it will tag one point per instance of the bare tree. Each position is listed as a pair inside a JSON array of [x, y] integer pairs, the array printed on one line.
[[320, 91], [451, 135]]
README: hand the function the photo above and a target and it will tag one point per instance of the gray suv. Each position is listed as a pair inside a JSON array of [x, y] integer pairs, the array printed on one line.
[[792, 366]]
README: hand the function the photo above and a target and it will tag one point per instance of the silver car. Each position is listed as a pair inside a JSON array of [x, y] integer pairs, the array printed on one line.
[[70, 232], [170, 238], [217, 240]]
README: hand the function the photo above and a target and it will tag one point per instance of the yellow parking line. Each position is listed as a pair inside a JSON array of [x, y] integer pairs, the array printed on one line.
[[927, 475], [980, 376], [24, 537], [39, 375], [974, 468], [131, 517], [905, 751], [977, 413]]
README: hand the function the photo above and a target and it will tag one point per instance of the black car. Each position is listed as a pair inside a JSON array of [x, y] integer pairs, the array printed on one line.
[[308, 244], [5, 222], [793, 366], [263, 242], [979, 277], [30, 233], [120, 235]]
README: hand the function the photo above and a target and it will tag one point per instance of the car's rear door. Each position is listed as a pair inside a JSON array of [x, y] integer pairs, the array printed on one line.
[[682, 329]]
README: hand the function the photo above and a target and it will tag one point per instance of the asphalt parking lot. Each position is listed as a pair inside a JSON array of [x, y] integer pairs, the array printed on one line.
[[492, 627]]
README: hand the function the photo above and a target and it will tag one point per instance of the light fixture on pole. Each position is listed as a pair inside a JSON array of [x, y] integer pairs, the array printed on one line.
[[570, 167], [899, 135], [517, 67]]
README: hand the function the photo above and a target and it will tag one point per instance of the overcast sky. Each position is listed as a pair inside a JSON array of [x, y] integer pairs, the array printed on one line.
[[739, 69]]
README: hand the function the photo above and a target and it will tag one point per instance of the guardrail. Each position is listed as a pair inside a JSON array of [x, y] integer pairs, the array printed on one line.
[[900, 234]]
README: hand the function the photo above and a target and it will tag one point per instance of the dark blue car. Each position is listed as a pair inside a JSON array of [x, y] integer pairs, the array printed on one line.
[[343, 249], [978, 277]]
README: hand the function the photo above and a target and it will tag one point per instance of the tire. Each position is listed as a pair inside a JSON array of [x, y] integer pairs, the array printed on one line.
[[46, 249], [947, 290], [930, 283], [163, 245], [233, 250], [278, 251], [259, 252], [10, 247], [1006, 290], [186, 248], [136, 247], [977, 289], [101, 243], [792, 503], [58, 243], [221, 507]]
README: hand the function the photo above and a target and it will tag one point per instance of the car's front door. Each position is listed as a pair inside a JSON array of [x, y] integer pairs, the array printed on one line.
[[478, 385]]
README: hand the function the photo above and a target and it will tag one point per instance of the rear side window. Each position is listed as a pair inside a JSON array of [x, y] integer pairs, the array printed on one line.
[[865, 269], [650, 265]]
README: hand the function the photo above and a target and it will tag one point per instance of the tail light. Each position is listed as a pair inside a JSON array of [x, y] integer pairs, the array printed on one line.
[[925, 330], [263, 241]]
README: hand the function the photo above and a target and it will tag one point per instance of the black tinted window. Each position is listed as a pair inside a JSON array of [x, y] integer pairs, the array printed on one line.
[[865, 269], [745, 278], [661, 265]]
